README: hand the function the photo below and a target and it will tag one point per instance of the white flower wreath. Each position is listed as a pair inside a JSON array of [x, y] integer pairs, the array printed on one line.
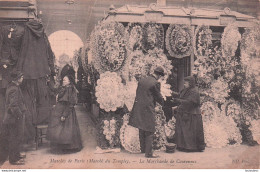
[[202, 40], [229, 40], [109, 91]]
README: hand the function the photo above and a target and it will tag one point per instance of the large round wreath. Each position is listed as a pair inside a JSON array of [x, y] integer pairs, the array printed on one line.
[[134, 33], [153, 36], [229, 40], [109, 48], [109, 91], [202, 41], [179, 40]]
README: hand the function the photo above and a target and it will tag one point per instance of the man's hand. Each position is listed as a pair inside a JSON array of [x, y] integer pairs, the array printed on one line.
[[5, 66]]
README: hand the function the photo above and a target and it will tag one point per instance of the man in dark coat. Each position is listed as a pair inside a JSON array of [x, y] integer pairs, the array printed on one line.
[[13, 122], [143, 113]]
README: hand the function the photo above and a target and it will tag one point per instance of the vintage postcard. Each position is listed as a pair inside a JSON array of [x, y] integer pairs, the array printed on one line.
[[129, 84]]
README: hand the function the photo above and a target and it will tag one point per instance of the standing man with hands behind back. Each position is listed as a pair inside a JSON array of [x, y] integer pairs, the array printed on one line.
[[143, 113], [13, 122]]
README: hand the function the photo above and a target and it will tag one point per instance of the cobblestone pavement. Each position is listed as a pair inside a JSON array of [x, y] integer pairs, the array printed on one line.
[[229, 157]]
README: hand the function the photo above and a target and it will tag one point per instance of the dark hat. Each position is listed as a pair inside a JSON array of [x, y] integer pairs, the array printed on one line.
[[159, 70], [191, 80], [67, 70], [16, 74]]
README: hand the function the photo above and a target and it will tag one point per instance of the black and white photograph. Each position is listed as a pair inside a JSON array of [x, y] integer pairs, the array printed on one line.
[[130, 84]]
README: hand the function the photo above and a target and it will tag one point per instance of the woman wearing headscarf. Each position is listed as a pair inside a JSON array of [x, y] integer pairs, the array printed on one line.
[[189, 126], [63, 131]]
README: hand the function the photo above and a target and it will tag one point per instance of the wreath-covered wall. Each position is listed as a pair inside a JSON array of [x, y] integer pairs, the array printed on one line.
[[228, 80]]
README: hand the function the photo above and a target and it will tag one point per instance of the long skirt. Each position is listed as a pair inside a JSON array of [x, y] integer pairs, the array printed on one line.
[[64, 134], [189, 132]]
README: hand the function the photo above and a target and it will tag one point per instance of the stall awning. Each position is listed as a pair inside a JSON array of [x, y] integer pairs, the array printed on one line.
[[178, 15]]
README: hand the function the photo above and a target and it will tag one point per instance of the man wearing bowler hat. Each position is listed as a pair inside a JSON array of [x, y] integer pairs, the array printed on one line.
[[143, 112], [13, 121]]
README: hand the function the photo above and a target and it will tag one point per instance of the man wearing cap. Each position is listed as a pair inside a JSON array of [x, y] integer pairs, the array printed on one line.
[[12, 136], [143, 113]]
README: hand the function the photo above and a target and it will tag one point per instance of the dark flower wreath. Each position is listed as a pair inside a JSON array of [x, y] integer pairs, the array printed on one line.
[[153, 36], [110, 47], [179, 40], [202, 41]]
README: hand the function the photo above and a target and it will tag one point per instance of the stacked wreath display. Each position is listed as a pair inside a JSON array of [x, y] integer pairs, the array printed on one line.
[[202, 41], [153, 36], [179, 40], [109, 46], [229, 40]]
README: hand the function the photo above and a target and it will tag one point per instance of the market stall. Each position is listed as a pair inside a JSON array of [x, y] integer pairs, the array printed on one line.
[[219, 47]]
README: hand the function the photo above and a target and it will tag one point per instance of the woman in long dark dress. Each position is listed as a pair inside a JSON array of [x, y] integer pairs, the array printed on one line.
[[189, 126], [63, 131]]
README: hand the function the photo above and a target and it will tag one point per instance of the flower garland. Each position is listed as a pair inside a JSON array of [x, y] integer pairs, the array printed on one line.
[[159, 139], [138, 66], [170, 128], [202, 41], [179, 40], [156, 58], [129, 136], [109, 129], [229, 40], [109, 47], [153, 36], [165, 89], [109, 91], [130, 93], [134, 32]]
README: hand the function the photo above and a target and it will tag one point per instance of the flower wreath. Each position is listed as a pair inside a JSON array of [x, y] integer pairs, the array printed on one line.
[[134, 33], [156, 58], [202, 41], [110, 50], [138, 66], [179, 40], [209, 111], [153, 36], [229, 40], [129, 136], [109, 91], [248, 44]]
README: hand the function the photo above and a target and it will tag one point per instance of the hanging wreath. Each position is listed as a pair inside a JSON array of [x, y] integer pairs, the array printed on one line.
[[109, 46], [138, 66], [156, 58], [229, 40], [202, 41], [250, 44], [179, 40], [209, 110], [232, 108], [134, 32], [109, 91], [153, 36]]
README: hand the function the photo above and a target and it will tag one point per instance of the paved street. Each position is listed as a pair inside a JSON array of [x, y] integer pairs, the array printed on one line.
[[229, 157]]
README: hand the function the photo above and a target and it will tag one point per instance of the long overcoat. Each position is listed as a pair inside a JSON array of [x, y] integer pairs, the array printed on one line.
[[143, 112]]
